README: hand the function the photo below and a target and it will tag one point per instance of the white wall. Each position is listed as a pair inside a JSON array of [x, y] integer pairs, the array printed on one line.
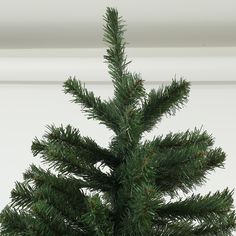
[[150, 23], [31, 96]]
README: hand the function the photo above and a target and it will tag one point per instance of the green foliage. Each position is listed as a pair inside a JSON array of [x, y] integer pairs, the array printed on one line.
[[75, 196], [165, 100], [98, 217], [210, 208], [185, 159], [114, 37], [94, 106]]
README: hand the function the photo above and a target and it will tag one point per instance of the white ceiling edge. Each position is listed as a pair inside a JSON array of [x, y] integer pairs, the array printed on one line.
[[156, 65], [150, 23], [131, 52]]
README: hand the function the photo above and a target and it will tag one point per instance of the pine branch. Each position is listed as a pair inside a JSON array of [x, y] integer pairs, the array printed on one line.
[[68, 186], [50, 221], [209, 208], [138, 216], [22, 195], [98, 217], [14, 222], [94, 106], [137, 195], [223, 227], [66, 161], [40, 176], [165, 100], [69, 210], [181, 140], [129, 136], [40, 184], [184, 159], [187, 168], [69, 137], [114, 37], [129, 91], [174, 228], [128, 95], [55, 190]]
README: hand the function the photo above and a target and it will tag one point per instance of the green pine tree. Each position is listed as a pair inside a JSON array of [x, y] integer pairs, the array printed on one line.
[[131, 197]]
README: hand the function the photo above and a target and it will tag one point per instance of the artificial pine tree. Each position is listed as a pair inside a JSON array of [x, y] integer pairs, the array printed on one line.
[[130, 198]]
